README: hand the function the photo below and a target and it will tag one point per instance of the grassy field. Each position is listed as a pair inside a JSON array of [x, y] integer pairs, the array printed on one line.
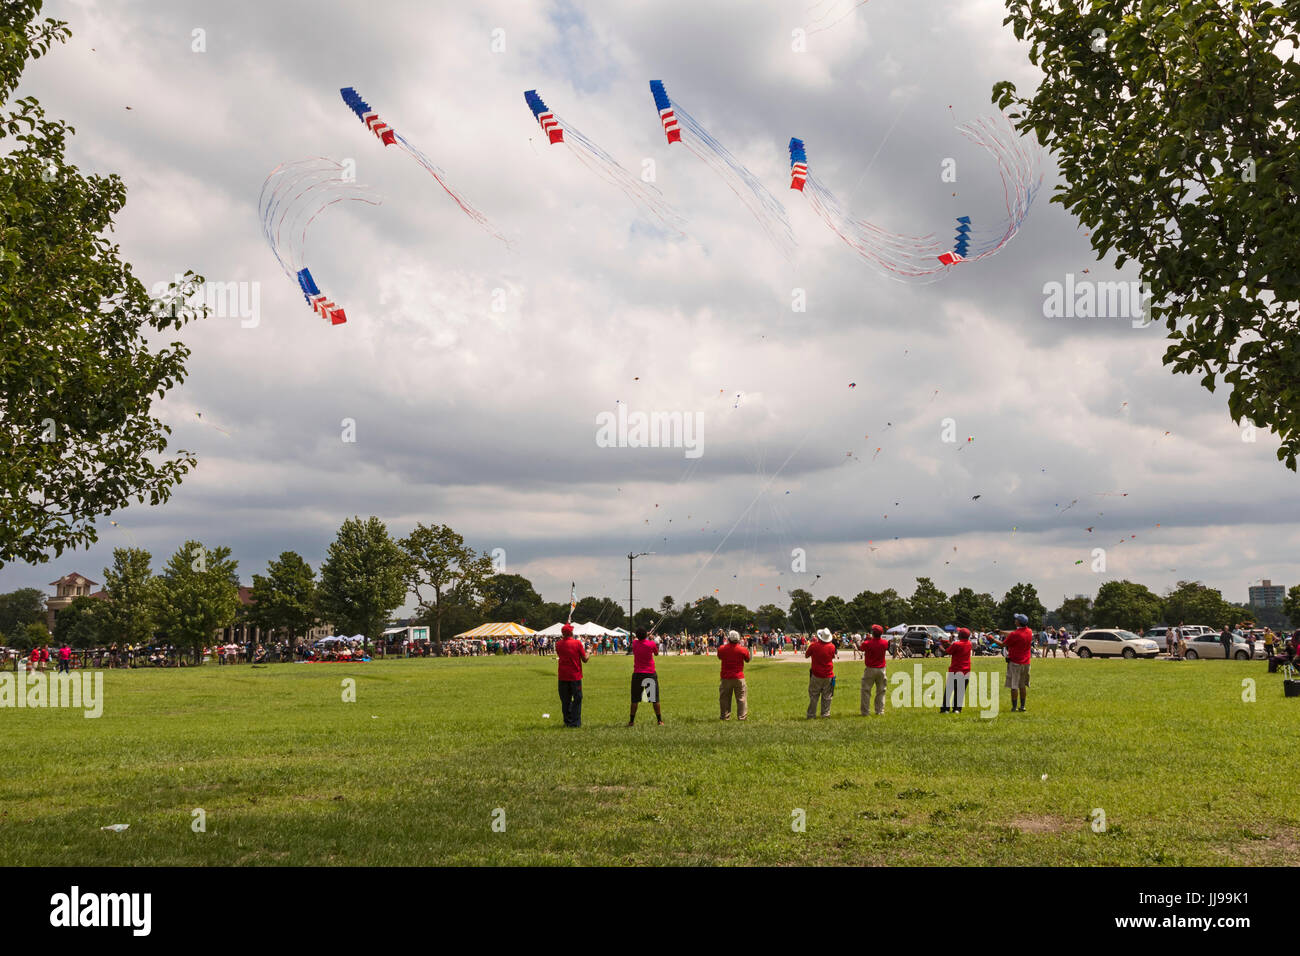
[[412, 772]]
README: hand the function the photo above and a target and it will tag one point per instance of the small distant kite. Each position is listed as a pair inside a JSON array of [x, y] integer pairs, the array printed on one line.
[[199, 416]]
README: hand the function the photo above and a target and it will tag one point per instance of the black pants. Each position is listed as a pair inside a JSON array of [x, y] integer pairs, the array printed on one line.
[[571, 702], [63, 667]]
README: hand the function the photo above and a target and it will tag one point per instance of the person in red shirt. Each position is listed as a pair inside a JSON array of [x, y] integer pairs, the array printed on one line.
[[954, 688], [1019, 645], [645, 682], [733, 656], [821, 676], [874, 648], [572, 654]]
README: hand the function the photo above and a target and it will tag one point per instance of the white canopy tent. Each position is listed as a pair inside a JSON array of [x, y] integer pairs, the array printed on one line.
[[590, 629]]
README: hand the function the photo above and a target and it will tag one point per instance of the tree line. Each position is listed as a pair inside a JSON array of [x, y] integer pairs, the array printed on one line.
[[367, 574]]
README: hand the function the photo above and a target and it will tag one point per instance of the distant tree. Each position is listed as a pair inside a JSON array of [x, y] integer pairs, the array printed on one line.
[[668, 614], [703, 615], [1191, 602], [511, 597], [285, 600], [81, 624], [735, 617], [196, 595], [438, 562], [132, 603], [897, 609], [1291, 604], [600, 610], [930, 605], [800, 616], [460, 612], [975, 611], [1127, 605], [1272, 617], [769, 617], [80, 376], [832, 612], [1021, 599], [646, 617], [27, 636], [365, 578], [1075, 613], [20, 608], [551, 612]]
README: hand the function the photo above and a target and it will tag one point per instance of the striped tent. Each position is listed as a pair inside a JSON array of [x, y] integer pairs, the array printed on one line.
[[498, 630]]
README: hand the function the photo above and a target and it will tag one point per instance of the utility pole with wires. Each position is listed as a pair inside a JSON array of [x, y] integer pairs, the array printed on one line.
[[631, 624]]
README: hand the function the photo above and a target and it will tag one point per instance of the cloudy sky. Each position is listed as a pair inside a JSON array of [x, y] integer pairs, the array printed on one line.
[[485, 418]]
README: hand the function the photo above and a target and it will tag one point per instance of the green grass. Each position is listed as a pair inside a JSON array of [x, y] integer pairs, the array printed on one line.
[[1185, 771]]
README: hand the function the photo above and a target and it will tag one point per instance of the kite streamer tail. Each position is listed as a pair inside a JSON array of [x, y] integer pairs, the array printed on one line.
[[608, 169], [436, 172], [681, 126]]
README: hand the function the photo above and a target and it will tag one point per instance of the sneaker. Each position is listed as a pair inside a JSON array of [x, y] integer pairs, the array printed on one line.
[[661, 723], [943, 710]]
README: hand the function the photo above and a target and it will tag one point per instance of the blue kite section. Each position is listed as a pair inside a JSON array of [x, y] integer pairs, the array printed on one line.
[[534, 102], [355, 102], [307, 284], [660, 94], [963, 236]]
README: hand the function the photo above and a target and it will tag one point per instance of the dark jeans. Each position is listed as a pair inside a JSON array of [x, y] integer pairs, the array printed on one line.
[[571, 702], [63, 667]]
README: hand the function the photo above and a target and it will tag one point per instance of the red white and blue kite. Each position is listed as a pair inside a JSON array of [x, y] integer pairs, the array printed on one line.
[[680, 127], [601, 163], [292, 197], [917, 257]]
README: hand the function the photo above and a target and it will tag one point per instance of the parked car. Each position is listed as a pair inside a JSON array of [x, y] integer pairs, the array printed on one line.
[[923, 640], [1160, 635], [1115, 642], [1211, 648]]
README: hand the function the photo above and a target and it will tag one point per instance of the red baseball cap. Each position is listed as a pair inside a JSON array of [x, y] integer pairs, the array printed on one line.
[[877, 629]]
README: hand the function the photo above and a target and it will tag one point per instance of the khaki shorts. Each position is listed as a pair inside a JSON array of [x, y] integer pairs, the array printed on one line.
[[1017, 676]]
